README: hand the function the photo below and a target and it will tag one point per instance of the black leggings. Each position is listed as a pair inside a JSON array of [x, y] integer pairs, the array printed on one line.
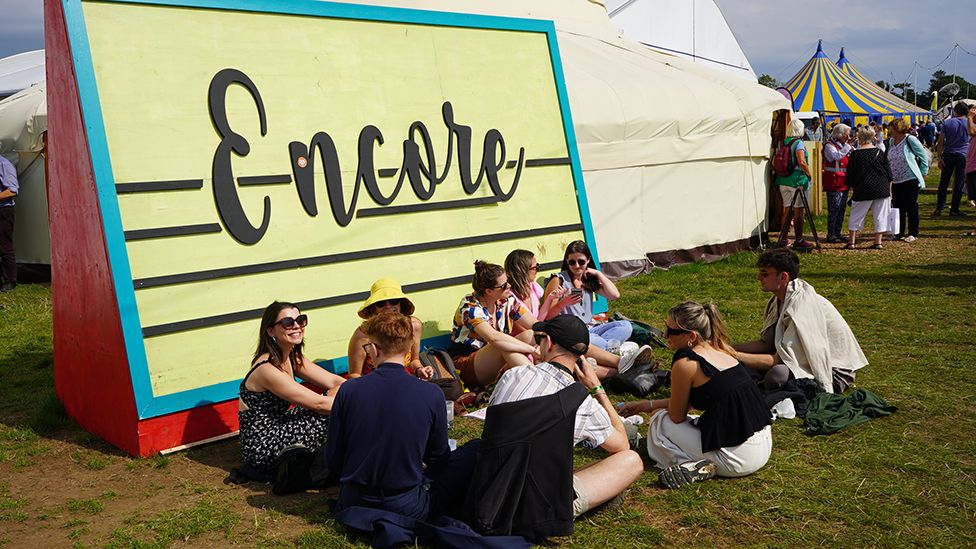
[[904, 196]]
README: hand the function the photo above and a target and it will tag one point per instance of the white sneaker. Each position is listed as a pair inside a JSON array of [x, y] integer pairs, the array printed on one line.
[[910, 239], [628, 347], [643, 355]]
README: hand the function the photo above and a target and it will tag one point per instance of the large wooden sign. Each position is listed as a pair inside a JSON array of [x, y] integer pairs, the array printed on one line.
[[209, 157]]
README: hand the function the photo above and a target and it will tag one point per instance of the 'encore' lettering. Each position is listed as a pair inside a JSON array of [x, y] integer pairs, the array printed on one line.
[[418, 167]]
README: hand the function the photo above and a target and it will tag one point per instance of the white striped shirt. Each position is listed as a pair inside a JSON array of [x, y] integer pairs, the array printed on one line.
[[593, 426]]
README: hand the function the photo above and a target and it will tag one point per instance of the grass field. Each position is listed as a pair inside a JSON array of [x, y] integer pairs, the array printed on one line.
[[905, 480]]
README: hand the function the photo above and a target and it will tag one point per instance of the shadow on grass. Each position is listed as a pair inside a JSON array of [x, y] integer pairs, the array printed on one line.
[[943, 280]]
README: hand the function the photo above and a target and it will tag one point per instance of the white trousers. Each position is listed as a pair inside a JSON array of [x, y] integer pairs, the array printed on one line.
[[879, 210], [670, 443]]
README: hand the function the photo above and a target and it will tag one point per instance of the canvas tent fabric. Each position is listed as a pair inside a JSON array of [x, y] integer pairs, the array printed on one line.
[[674, 154], [693, 29], [23, 122], [820, 85], [850, 69], [21, 71]]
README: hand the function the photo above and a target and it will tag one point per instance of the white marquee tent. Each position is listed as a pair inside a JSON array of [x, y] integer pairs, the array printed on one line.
[[674, 153], [694, 29]]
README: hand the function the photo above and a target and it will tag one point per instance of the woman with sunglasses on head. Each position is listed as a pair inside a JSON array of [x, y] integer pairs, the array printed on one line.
[[268, 420], [732, 437], [481, 340], [386, 296], [577, 285]]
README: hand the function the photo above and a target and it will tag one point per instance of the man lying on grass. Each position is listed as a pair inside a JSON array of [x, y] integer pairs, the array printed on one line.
[[803, 335]]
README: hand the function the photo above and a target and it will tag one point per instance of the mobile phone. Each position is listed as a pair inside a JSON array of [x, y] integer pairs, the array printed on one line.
[[576, 291]]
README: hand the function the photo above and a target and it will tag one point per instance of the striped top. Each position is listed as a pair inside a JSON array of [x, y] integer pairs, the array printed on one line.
[[471, 313]]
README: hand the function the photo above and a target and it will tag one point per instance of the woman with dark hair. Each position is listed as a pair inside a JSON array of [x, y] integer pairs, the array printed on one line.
[[580, 283], [275, 411], [481, 340], [522, 269], [732, 437], [386, 296], [583, 283]]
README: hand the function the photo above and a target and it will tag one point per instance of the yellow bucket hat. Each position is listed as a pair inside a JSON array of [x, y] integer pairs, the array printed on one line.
[[384, 289]]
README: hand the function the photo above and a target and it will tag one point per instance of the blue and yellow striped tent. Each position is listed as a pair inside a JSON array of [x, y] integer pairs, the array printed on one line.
[[844, 93], [912, 111]]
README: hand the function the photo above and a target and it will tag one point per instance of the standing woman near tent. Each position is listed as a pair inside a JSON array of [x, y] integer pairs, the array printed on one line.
[[799, 177], [869, 176], [971, 156], [836, 153], [909, 163], [275, 411]]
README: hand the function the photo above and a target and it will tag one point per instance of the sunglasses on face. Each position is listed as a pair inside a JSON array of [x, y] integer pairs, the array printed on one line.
[[289, 322], [504, 286], [534, 267], [388, 303], [669, 331], [539, 337], [576, 262]]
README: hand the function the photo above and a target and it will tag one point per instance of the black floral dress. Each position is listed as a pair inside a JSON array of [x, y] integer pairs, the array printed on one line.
[[271, 423]]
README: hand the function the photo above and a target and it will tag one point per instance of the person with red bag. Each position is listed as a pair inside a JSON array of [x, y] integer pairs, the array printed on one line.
[[836, 153]]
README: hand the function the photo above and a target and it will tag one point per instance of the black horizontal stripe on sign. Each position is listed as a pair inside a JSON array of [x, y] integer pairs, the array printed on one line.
[[164, 232], [264, 180], [536, 162], [213, 274], [205, 322], [427, 206], [148, 186]]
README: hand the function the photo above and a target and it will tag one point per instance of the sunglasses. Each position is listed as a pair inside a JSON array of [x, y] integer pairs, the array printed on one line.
[[534, 267], [504, 286], [669, 331], [388, 303], [539, 337], [289, 322], [577, 262]]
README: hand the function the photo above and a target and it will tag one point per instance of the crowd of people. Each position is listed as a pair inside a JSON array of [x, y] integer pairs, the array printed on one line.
[[878, 167], [382, 432]]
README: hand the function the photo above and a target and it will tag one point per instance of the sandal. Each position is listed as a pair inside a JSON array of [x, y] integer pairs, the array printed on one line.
[[877, 247], [848, 246]]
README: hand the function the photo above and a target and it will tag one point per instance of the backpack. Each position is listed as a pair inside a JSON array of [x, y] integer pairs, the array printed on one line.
[[445, 375], [783, 159]]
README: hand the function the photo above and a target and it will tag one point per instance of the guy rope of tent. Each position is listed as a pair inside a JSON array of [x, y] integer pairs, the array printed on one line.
[[822, 86]]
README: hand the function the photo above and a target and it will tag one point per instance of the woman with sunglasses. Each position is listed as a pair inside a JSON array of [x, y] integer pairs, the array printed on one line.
[[732, 437], [481, 340], [582, 283], [522, 269], [386, 296], [275, 411]]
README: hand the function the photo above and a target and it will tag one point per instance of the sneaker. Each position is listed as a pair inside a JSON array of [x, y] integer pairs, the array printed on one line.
[[7, 286], [972, 203], [684, 474], [898, 237], [910, 239], [643, 355], [628, 347], [957, 213], [802, 245]]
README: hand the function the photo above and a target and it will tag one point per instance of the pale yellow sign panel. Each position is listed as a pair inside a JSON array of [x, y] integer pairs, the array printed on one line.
[[313, 75]]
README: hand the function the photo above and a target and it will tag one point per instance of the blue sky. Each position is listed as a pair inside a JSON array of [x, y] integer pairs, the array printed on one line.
[[883, 38]]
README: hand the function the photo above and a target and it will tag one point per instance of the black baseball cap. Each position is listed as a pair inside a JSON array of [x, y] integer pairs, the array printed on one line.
[[567, 331]]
